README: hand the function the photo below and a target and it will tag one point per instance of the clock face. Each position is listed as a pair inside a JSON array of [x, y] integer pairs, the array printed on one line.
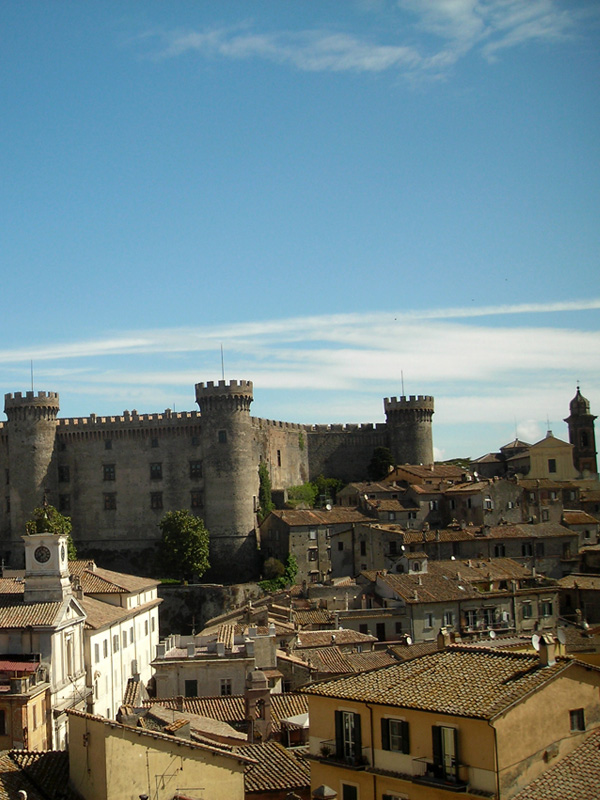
[[42, 554]]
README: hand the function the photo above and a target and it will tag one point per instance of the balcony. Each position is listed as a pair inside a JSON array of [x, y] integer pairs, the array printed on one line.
[[428, 773], [328, 753]]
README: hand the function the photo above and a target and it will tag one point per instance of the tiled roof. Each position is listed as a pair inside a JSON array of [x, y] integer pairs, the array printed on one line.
[[338, 514], [335, 636], [327, 659], [588, 582], [20, 614], [317, 616], [406, 652], [541, 530], [428, 587], [13, 585], [47, 771], [373, 660], [579, 518], [231, 709], [429, 471], [574, 777], [459, 681], [198, 724], [276, 768]]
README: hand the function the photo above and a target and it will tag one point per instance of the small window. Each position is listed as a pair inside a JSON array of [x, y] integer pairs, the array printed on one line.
[[577, 719], [96, 652], [2, 723], [64, 502], [448, 618], [349, 792], [279, 458], [363, 548], [527, 610], [499, 550], [469, 502], [156, 471], [124, 639], [64, 474], [116, 643], [191, 688], [145, 627], [433, 505], [551, 465], [108, 444], [526, 549], [156, 500], [105, 648], [394, 735], [222, 437], [153, 624], [110, 502], [312, 554], [196, 499], [195, 470], [108, 472], [393, 548], [429, 620], [363, 628], [226, 687], [546, 608], [312, 534], [340, 545]]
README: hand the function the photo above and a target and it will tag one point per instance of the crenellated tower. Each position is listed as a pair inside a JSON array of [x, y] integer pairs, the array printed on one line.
[[230, 476], [32, 472], [409, 422], [581, 434]]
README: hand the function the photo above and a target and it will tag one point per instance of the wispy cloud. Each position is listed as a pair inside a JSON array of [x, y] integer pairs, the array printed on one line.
[[449, 29]]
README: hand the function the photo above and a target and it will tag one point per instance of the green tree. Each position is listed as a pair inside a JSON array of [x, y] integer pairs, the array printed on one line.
[[283, 581], [46, 519], [273, 569], [305, 494], [265, 502], [327, 488], [380, 464], [184, 545]]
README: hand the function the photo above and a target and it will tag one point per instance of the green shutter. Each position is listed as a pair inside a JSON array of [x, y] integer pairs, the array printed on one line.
[[436, 733], [357, 739], [385, 734], [339, 735], [405, 737]]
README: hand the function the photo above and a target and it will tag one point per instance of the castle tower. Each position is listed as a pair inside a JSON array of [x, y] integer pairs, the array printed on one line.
[[230, 477], [581, 434], [31, 431], [409, 422]]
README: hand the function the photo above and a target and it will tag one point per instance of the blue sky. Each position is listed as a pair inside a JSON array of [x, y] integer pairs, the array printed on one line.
[[342, 194]]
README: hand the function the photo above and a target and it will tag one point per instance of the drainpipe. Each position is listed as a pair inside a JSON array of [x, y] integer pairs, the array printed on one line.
[[497, 765], [372, 748]]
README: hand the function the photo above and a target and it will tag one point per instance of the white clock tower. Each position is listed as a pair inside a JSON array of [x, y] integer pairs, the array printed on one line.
[[46, 568]]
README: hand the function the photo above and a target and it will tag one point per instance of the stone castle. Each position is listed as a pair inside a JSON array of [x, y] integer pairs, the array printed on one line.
[[117, 476]]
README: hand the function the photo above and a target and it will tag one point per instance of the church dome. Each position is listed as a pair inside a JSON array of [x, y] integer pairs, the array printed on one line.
[[579, 404]]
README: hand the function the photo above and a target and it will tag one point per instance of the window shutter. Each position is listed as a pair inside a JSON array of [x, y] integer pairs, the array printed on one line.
[[385, 734], [456, 756], [339, 735], [357, 738], [405, 737], [436, 732]]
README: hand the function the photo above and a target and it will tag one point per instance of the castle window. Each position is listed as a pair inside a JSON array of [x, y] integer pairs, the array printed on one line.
[[156, 500], [156, 471], [108, 444], [108, 472], [64, 474], [196, 499], [64, 502], [226, 688], [195, 470], [110, 501], [279, 458], [222, 436], [551, 465]]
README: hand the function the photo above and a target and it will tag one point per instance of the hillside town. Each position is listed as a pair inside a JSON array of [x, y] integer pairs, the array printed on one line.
[[428, 630]]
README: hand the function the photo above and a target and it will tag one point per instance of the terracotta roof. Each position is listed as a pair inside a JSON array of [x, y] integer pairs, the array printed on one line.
[[587, 582], [337, 515], [317, 616], [428, 471], [13, 665], [198, 724], [47, 771], [231, 709], [372, 660], [132, 692], [574, 777], [458, 680], [12, 585], [579, 518], [276, 768], [327, 659], [406, 652], [20, 614], [335, 636]]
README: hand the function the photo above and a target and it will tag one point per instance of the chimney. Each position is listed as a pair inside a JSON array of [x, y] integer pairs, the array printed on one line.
[[547, 652]]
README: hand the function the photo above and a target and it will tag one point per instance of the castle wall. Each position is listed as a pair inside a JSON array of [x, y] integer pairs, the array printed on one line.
[[284, 447], [343, 451]]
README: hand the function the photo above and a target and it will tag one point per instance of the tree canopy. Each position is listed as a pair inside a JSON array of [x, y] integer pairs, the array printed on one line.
[[47, 519], [184, 545], [380, 464], [265, 502]]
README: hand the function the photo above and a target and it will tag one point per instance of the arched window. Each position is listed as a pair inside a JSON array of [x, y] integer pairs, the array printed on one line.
[[584, 439]]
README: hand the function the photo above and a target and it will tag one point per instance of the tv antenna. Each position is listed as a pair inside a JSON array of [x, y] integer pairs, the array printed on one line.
[[222, 363]]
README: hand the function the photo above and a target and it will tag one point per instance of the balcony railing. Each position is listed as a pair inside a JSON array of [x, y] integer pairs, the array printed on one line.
[[328, 752], [427, 772]]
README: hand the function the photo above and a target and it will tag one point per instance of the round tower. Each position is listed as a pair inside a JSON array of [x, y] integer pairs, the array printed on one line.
[[409, 423], [31, 429], [230, 477], [581, 434]]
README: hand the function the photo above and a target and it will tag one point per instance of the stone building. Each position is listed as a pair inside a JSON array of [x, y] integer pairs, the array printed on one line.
[[116, 476]]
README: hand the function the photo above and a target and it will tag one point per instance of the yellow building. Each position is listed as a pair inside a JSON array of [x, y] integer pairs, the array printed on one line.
[[551, 458], [110, 761], [465, 719]]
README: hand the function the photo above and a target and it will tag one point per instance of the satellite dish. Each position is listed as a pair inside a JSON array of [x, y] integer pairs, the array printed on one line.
[[561, 635], [328, 507], [452, 558], [492, 634], [535, 641], [409, 640], [402, 547]]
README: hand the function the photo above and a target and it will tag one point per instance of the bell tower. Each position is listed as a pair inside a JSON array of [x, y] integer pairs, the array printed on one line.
[[581, 434], [46, 567]]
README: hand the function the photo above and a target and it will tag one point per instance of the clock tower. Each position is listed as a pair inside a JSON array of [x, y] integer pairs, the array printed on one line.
[[46, 568]]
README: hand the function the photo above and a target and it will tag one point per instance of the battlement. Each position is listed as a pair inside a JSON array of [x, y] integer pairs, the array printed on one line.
[[365, 427], [422, 402], [19, 400], [213, 389], [167, 417], [259, 422]]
